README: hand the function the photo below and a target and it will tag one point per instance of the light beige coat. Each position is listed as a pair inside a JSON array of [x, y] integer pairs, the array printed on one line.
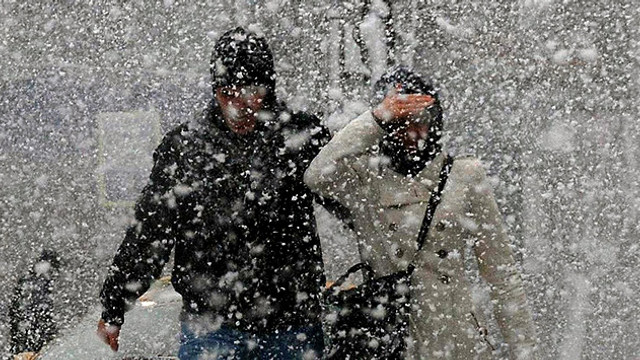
[[388, 209]]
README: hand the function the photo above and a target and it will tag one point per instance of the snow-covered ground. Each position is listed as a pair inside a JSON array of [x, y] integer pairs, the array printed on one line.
[[151, 331]]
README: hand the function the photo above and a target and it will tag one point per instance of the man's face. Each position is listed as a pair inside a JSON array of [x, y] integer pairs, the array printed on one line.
[[240, 106]]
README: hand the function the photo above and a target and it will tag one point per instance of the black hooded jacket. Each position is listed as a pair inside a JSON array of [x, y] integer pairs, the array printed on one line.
[[240, 218]]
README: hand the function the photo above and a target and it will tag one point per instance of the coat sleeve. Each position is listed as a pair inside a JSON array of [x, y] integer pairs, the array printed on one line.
[[497, 265], [335, 173], [319, 136], [148, 242]]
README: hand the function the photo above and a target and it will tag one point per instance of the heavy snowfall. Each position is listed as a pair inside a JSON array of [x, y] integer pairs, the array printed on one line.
[[544, 92]]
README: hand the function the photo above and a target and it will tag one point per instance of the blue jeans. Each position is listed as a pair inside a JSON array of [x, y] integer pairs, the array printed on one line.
[[229, 343]]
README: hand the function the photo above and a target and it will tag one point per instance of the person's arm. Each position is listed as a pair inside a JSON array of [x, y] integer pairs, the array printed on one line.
[[497, 265], [147, 244], [334, 173], [316, 136]]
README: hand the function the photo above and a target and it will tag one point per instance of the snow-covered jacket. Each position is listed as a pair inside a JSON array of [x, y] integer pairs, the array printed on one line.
[[388, 209], [241, 221]]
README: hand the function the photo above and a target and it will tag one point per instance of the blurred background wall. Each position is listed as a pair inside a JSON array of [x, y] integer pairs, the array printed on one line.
[[545, 92]]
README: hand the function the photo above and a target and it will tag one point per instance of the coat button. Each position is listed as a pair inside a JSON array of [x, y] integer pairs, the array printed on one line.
[[445, 279], [483, 331], [440, 226], [442, 253], [393, 227]]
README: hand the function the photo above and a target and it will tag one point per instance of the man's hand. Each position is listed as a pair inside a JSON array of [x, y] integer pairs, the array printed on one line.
[[397, 107], [108, 334]]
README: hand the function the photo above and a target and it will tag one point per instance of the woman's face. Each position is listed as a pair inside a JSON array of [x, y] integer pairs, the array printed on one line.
[[413, 136]]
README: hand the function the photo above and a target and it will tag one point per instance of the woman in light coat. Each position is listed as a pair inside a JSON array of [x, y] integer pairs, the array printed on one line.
[[383, 166]]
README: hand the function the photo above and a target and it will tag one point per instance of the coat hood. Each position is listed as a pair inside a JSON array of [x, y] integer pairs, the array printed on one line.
[[242, 58]]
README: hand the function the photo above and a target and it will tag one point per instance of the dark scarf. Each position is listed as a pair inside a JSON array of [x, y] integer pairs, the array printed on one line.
[[405, 163]]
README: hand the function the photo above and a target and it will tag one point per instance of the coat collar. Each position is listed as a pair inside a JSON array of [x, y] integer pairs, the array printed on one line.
[[397, 190], [430, 175]]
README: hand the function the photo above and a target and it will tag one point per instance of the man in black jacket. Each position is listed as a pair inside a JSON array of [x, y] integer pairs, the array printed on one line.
[[227, 192]]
